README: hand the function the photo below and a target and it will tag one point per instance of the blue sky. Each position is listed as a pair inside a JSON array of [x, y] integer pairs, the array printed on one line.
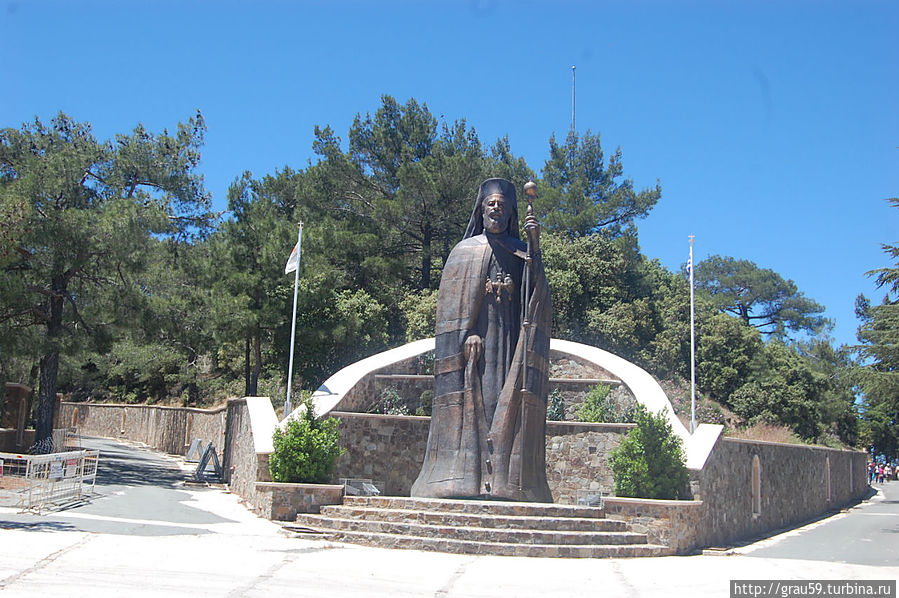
[[772, 126]]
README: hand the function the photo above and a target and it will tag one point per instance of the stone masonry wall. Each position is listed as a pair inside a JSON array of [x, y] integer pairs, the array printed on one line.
[[793, 479], [577, 458], [793, 487], [383, 448], [247, 475], [391, 449], [243, 466], [167, 429], [676, 524], [239, 460], [282, 502]]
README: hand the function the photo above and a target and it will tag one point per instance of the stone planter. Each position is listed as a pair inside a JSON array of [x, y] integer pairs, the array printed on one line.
[[282, 502]]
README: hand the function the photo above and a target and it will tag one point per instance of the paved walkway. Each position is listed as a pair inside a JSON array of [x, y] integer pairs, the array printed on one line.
[[866, 534], [148, 534]]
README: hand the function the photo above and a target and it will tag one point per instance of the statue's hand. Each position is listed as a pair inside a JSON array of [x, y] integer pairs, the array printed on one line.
[[532, 230], [473, 347]]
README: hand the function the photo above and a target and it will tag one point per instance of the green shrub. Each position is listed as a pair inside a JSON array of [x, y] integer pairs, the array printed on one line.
[[424, 364], [596, 407], [307, 450], [555, 409], [390, 402], [649, 462], [425, 403]]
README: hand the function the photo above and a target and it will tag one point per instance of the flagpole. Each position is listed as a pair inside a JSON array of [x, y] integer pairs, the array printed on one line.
[[288, 406], [692, 348]]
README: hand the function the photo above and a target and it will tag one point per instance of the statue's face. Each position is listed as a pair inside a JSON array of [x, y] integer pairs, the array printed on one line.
[[496, 213]]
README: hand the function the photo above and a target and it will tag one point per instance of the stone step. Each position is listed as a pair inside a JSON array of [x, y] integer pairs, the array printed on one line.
[[584, 524], [576, 382], [476, 534], [475, 527], [486, 507], [456, 546]]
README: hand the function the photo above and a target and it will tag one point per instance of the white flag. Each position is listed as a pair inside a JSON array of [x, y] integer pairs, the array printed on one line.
[[293, 261]]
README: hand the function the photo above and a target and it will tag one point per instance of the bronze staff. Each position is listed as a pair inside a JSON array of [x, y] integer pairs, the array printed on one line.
[[531, 229]]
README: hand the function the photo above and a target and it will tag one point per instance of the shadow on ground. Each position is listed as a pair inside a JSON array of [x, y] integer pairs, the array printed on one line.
[[134, 468], [39, 526]]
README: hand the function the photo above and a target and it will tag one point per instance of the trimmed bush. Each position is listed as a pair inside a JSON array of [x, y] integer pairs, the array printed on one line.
[[307, 450], [598, 407], [649, 462], [425, 403], [390, 402], [555, 410]]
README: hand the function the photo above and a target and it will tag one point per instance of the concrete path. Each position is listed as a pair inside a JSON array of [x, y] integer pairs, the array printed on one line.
[[148, 534]]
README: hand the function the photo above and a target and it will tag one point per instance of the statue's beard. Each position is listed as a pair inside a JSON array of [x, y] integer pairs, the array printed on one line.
[[494, 225]]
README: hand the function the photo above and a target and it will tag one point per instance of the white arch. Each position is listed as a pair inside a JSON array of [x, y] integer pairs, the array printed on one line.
[[644, 387]]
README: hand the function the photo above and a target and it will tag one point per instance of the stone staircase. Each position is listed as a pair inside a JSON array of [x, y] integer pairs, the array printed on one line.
[[476, 527]]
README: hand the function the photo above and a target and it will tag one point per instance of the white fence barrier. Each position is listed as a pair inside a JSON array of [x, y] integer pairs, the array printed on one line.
[[37, 481]]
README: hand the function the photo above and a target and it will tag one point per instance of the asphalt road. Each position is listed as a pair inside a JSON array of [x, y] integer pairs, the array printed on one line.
[[867, 534], [138, 493], [147, 533]]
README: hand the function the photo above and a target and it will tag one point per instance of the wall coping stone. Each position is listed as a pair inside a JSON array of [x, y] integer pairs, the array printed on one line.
[[651, 502], [340, 414], [141, 406], [568, 425], [550, 424], [297, 486], [800, 445]]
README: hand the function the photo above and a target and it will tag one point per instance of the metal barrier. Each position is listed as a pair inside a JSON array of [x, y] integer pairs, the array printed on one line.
[[36, 481]]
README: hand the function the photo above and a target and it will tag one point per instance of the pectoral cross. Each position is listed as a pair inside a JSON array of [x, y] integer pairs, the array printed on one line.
[[499, 285]]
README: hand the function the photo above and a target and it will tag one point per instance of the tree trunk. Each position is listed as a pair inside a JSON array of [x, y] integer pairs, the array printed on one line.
[[49, 369], [744, 314], [257, 363], [426, 257], [246, 369]]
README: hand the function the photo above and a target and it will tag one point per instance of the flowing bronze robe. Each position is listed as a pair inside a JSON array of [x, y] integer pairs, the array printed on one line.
[[488, 434]]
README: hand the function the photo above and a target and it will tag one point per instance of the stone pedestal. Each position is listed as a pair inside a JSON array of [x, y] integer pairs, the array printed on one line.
[[57, 404], [18, 406]]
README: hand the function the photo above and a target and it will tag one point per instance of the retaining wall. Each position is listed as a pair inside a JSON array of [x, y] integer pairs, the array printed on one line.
[[167, 429], [792, 486], [391, 449], [283, 502], [240, 461], [733, 498], [676, 524], [384, 448]]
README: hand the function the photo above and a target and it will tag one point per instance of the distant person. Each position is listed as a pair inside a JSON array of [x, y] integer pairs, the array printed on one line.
[[887, 473], [872, 472]]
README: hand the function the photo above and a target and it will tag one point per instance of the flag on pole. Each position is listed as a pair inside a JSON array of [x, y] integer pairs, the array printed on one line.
[[293, 261], [293, 265]]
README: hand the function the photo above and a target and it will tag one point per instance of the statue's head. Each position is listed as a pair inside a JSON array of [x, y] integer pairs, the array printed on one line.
[[495, 210]]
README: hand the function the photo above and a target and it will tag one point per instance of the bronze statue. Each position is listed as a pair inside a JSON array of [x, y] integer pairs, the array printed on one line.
[[487, 436]]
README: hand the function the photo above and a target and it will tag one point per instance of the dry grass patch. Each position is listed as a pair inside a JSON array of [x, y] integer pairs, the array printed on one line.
[[766, 432]]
